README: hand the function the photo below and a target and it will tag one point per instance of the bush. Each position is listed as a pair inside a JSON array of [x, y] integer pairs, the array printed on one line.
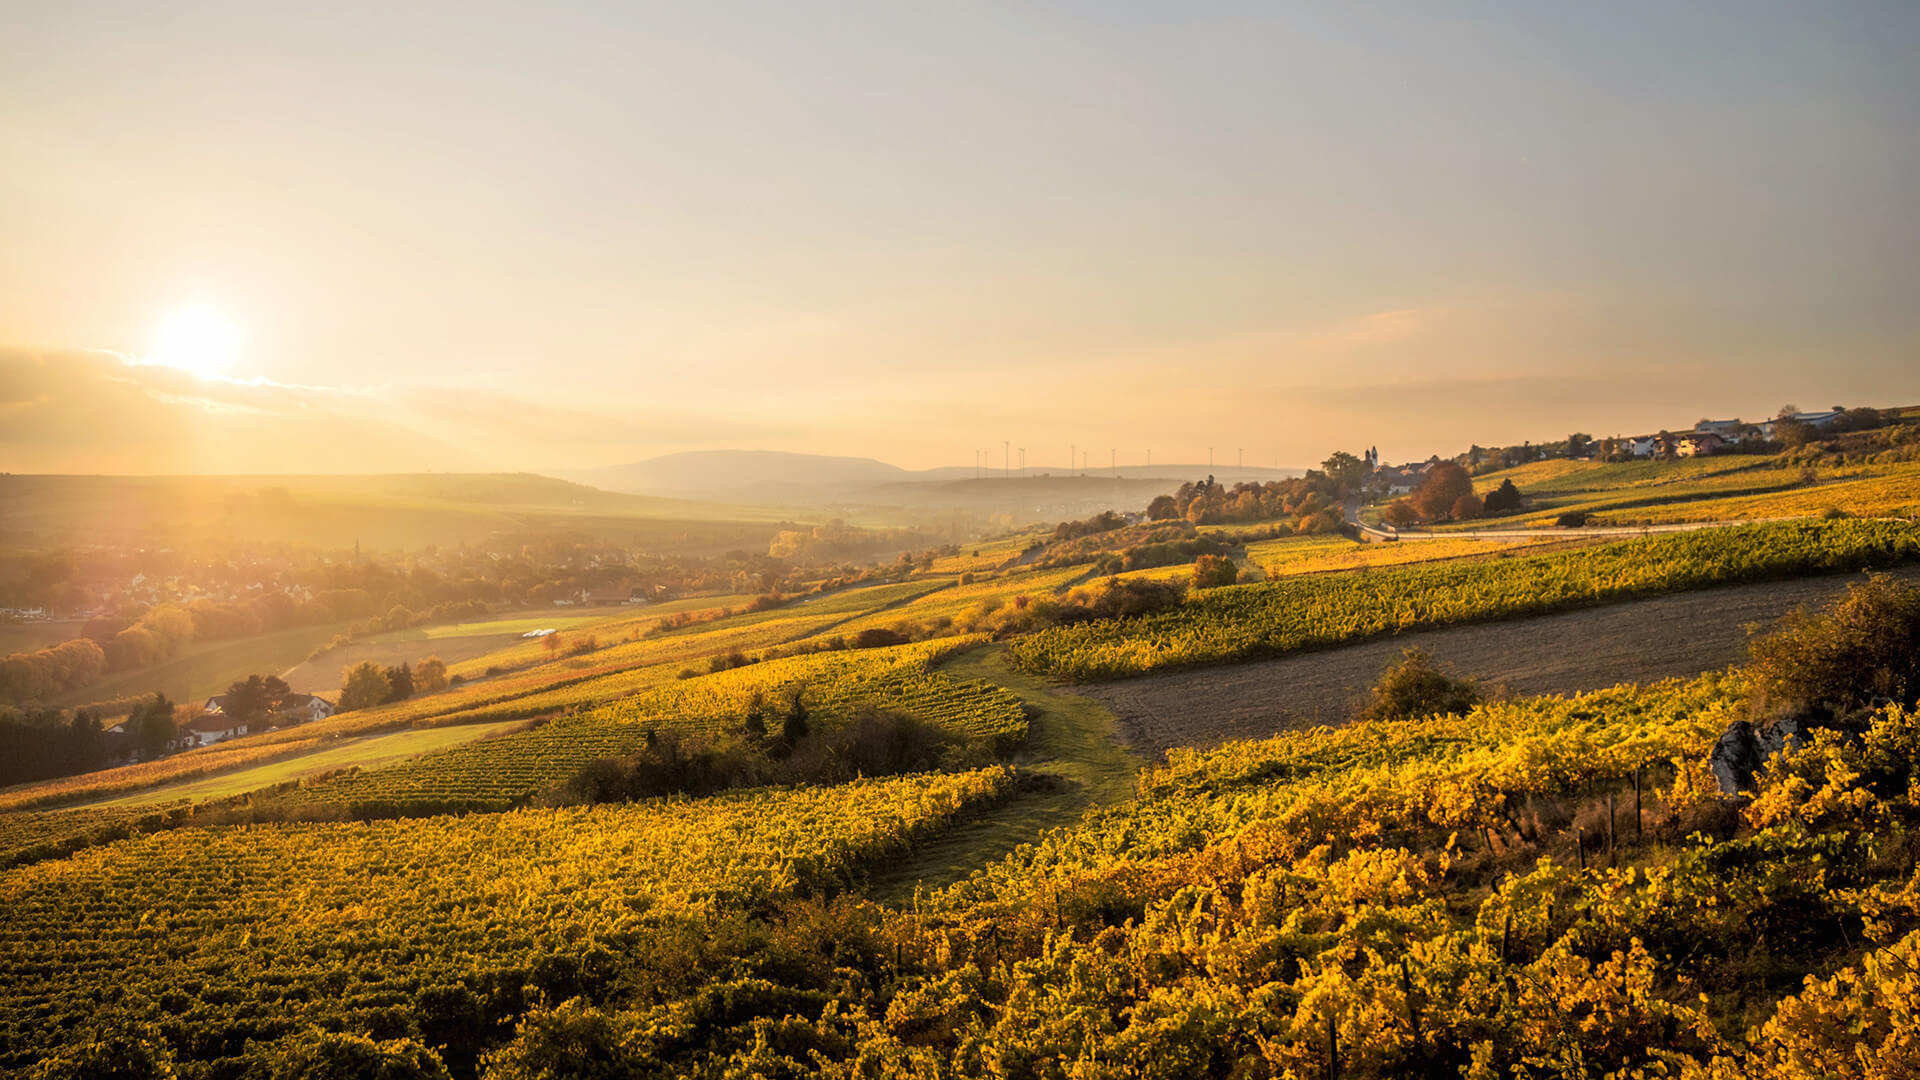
[[318, 1055], [1573, 519], [1866, 645], [873, 743], [878, 637], [1212, 571], [1415, 686]]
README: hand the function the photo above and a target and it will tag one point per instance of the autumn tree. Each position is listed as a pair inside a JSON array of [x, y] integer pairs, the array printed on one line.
[[1163, 508], [1467, 508], [431, 676], [1443, 486], [1400, 514]]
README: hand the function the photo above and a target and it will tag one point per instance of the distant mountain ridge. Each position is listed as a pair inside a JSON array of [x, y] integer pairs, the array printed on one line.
[[776, 477]]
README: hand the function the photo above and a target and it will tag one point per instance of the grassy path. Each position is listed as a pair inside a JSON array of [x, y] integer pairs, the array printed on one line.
[[1073, 756]]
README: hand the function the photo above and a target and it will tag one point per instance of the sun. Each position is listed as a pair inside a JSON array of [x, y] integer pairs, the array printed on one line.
[[197, 338]]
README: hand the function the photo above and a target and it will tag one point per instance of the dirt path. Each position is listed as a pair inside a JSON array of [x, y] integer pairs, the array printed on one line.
[[1571, 652], [1073, 753]]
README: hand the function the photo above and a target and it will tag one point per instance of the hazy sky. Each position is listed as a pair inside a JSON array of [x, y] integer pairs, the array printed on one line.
[[465, 236]]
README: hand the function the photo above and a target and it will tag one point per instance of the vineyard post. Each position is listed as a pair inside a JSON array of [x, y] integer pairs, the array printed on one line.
[[1413, 1007], [1580, 841], [1333, 1049], [1637, 827]]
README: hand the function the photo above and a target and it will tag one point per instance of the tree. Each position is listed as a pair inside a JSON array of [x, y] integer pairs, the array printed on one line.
[[1162, 508], [276, 688], [1793, 434], [247, 701], [431, 676], [399, 682], [1345, 471], [1504, 499], [1400, 514], [796, 725], [1211, 571], [363, 685], [153, 726], [755, 721], [1440, 489], [1467, 507], [1578, 444]]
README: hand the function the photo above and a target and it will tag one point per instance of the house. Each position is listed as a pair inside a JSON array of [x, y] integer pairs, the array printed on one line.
[[1725, 429], [302, 709], [1815, 419], [1644, 446], [209, 728], [1699, 444], [1399, 481]]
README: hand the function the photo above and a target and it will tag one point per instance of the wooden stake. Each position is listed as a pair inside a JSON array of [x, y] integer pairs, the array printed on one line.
[[1333, 1049]]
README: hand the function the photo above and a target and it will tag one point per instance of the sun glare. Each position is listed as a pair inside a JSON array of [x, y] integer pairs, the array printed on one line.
[[198, 339]]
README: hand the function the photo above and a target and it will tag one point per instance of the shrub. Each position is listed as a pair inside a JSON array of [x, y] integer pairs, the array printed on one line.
[[1212, 571], [878, 637], [1866, 645], [1573, 519], [1415, 686]]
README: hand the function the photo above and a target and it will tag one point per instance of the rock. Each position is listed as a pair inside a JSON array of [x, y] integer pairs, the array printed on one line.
[[1744, 748]]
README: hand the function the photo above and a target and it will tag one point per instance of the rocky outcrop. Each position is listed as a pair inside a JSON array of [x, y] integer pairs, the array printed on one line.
[[1744, 748]]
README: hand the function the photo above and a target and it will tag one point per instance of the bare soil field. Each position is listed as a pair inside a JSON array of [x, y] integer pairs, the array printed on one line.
[[1567, 653]]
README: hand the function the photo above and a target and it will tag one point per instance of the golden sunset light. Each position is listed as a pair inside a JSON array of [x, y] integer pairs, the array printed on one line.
[[199, 339], [881, 541]]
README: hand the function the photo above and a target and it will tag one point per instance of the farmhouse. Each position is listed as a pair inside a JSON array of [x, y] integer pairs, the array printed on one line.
[[302, 709], [209, 728]]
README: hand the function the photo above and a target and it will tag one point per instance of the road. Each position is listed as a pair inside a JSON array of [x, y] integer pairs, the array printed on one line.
[[1375, 534]]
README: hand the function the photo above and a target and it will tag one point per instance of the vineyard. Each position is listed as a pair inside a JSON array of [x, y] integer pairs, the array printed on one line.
[[497, 773], [1331, 554], [1543, 887], [1728, 488], [1306, 612], [217, 937]]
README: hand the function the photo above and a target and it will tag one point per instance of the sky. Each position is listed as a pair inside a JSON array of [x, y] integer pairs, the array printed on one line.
[[408, 236]]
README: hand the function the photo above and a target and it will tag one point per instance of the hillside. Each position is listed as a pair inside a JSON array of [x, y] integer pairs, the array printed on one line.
[[394, 511], [780, 479]]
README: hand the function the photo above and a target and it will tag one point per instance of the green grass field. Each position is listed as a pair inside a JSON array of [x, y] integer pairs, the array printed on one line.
[[371, 752]]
